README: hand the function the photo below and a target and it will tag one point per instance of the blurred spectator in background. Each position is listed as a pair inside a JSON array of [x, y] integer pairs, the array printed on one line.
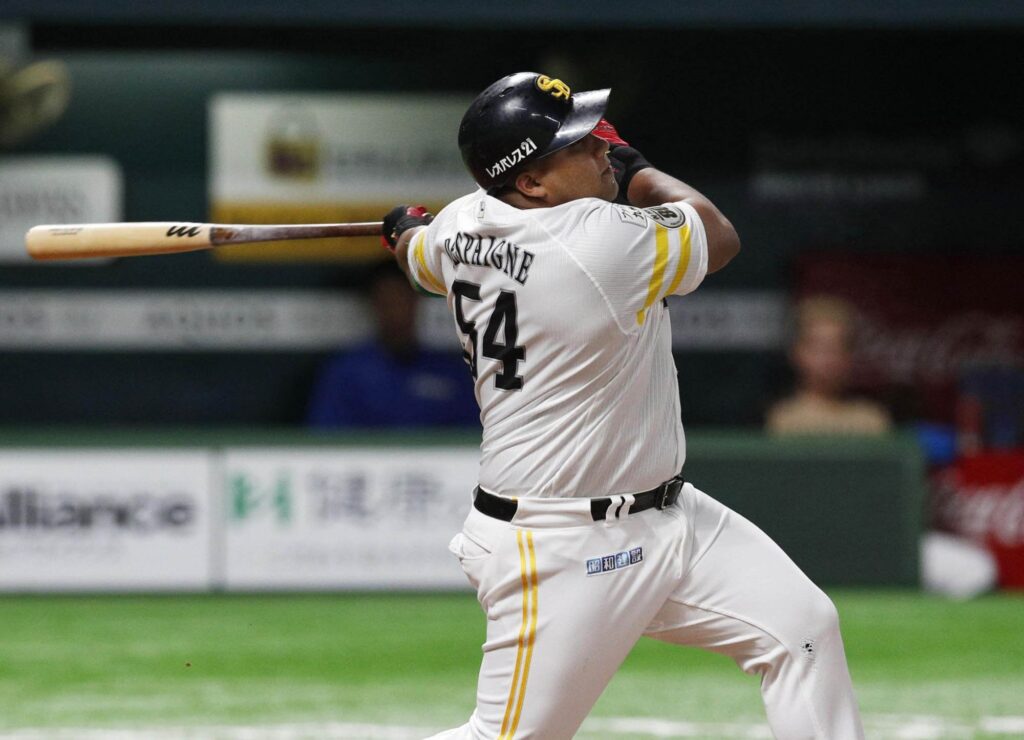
[[821, 355], [390, 380]]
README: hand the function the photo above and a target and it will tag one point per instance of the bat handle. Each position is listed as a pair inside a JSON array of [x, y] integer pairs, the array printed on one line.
[[248, 233]]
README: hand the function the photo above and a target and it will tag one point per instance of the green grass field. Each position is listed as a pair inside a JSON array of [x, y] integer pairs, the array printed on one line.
[[353, 666]]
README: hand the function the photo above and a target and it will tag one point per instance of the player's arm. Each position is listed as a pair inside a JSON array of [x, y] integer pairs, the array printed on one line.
[[651, 187], [405, 231], [644, 186], [402, 250], [637, 256]]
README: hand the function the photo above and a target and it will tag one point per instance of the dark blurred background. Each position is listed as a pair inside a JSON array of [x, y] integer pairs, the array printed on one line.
[[871, 156], [823, 131]]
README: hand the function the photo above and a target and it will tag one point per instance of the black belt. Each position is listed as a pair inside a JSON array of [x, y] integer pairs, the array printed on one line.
[[660, 497]]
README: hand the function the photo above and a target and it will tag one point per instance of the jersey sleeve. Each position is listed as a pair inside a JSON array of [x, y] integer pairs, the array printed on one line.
[[638, 256], [425, 263]]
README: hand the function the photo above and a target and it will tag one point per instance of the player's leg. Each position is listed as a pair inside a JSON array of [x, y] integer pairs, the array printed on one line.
[[556, 635], [743, 597]]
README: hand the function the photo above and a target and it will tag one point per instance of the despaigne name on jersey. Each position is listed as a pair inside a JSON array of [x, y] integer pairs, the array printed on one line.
[[490, 251]]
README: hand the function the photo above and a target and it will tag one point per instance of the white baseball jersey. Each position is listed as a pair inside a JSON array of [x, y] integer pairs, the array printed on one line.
[[561, 315]]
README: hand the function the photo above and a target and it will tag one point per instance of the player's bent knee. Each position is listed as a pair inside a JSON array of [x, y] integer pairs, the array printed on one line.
[[819, 619], [810, 625], [826, 616]]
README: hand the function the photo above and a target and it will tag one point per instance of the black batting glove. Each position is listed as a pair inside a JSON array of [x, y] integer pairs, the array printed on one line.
[[626, 162], [399, 220]]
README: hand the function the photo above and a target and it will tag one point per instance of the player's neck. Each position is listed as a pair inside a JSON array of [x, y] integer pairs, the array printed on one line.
[[517, 200]]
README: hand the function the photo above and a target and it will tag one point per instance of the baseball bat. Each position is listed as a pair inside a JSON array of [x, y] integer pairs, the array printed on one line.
[[79, 241]]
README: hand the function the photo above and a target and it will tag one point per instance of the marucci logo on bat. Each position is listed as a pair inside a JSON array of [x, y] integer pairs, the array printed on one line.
[[184, 230]]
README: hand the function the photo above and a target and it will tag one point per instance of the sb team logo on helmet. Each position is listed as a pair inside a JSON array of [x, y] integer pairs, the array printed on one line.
[[556, 88]]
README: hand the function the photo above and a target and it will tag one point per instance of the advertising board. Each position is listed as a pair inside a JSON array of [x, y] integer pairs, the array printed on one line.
[[121, 520], [981, 497], [330, 157], [58, 189], [345, 518]]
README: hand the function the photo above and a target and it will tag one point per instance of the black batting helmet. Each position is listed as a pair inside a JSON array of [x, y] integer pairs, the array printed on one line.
[[521, 118]]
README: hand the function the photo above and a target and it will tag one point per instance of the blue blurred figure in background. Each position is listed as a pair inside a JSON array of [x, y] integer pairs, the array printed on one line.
[[390, 380]]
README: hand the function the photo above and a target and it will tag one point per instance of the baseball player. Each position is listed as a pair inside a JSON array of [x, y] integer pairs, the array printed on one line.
[[583, 535]]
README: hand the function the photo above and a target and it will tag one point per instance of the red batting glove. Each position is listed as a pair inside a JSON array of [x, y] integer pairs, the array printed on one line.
[[606, 131]]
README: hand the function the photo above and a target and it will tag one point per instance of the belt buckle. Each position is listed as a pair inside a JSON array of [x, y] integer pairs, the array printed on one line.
[[662, 495], [666, 491]]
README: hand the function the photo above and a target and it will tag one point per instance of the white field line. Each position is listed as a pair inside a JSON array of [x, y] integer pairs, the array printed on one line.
[[311, 731], [883, 727], [636, 726], [1003, 725]]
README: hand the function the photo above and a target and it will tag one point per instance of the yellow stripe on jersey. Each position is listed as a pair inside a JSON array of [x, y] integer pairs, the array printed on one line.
[[527, 636], [684, 258], [660, 261], [531, 637], [425, 273]]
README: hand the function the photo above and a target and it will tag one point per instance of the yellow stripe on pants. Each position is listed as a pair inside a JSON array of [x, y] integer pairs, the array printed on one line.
[[531, 637], [527, 636]]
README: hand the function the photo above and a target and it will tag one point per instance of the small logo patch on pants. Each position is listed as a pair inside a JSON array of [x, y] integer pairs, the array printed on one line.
[[616, 561]]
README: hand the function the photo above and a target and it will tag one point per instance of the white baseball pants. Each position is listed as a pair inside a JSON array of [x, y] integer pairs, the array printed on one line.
[[566, 598]]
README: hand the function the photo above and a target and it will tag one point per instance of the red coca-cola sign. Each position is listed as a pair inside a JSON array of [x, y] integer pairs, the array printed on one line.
[[982, 497]]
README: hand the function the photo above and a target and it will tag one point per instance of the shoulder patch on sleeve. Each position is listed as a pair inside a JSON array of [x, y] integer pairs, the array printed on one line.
[[631, 215], [667, 215]]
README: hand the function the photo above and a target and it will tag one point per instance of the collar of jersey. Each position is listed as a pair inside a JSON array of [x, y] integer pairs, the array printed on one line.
[[495, 206]]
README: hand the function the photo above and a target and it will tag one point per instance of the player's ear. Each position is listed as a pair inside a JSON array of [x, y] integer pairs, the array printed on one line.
[[528, 184]]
